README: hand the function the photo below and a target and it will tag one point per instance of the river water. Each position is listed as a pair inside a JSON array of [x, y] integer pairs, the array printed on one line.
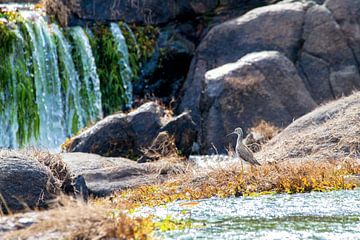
[[330, 215]]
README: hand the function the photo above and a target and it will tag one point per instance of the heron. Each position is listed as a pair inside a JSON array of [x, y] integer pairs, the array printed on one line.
[[242, 151]]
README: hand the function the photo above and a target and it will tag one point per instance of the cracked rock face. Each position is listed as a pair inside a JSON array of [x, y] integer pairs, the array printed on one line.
[[320, 42]]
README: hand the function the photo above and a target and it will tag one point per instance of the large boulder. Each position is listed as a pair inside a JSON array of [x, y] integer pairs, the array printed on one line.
[[327, 60], [330, 132], [322, 41], [277, 27], [260, 86], [127, 135], [24, 183], [104, 175]]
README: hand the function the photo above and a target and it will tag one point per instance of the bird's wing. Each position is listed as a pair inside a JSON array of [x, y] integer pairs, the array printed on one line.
[[246, 154]]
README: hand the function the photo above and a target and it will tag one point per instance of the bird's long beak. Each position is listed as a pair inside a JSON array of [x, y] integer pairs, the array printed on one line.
[[231, 133]]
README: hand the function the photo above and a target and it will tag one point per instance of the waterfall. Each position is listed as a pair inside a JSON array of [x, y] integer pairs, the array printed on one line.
[[132, 35], [49, 82], [91, 98], [75, 117], [126, 73], [8, 131]]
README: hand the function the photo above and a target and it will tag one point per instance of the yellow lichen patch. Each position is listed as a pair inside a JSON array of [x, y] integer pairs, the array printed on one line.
[[170, 224]]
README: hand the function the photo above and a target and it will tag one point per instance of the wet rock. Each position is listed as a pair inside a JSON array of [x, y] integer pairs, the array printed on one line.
[[330, 132], [244, 92], [127, 134], [25, 183]]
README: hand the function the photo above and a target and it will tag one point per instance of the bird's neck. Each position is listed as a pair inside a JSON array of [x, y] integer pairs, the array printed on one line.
[[239, 140]]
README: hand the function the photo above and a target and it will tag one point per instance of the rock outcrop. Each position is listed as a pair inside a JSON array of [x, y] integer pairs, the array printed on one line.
[[24, 183], [321, 41], [330, 132], [104, 175], [148, 12], [127, 135]]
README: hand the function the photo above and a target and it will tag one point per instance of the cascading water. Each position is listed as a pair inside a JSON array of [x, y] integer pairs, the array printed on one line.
[[49, 82], [90, 79], [8, 132], [74, 113], [126, 73]]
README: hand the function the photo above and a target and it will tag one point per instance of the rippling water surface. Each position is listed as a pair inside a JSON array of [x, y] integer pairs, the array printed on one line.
[[331, 215]]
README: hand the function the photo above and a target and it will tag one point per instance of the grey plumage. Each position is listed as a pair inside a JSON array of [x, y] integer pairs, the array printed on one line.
[[242, 151]]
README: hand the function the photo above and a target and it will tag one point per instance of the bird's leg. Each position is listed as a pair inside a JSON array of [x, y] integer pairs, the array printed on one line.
[[242, 167]]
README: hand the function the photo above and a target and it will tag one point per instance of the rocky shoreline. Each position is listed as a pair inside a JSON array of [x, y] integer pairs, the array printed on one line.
[[287, 73], [30, 179]]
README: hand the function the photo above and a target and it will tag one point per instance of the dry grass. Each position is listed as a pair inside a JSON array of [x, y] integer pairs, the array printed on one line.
[[162, 148], [260, 134], [52, 161], [265, 129], [107, 218], [331, 131], [316, 153], [77, 220], [231, 181]]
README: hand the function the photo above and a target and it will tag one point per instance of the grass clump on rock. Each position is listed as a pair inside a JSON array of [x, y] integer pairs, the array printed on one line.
[[282, 177]]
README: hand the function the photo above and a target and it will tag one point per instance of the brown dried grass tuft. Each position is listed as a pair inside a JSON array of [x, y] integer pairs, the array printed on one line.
[[52, 161], [260, 134], [265, 129], [162, 148]]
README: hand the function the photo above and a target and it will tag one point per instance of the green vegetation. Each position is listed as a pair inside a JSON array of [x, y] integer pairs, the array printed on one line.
[[7, 38], [141, 41], [16, 83], [28, 116], [65, 78], [107, 60], [18, 71], [141, 45]]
